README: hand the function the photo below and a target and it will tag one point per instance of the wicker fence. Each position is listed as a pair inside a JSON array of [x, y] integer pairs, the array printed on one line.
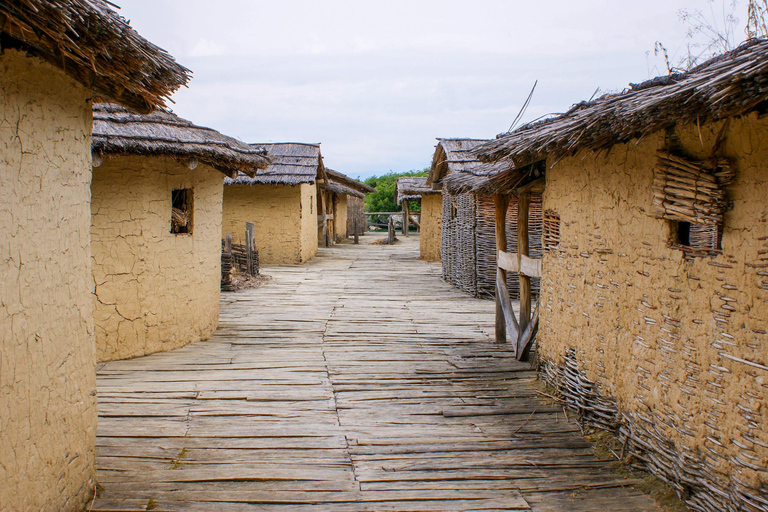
[[469, 243]]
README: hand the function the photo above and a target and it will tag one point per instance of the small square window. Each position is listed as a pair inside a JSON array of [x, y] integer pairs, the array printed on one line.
[[697, 239], [181, 211]]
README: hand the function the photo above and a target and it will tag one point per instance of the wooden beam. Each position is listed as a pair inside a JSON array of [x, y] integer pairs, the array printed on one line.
[[536, 186], [530, 267], [523, 206], [508, 261], [509, 322], [501, 203]]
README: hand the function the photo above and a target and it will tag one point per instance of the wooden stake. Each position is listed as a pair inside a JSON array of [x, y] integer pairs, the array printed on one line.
[[406, 217], [523, 203], [501, 203]]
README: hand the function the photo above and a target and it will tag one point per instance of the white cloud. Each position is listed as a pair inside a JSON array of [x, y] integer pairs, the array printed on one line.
[[377, 82]]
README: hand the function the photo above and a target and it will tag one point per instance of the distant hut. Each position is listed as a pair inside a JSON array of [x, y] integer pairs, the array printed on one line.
[[654, 298], [156, 221], [56, 55], [288, 209], [415, 189], [346, 202], [468, 232]]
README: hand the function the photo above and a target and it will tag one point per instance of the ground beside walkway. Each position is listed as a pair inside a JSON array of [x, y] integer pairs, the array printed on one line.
[[357, 382]]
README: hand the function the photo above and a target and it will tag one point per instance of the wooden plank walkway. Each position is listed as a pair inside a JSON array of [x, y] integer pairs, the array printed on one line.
[[359, 382]]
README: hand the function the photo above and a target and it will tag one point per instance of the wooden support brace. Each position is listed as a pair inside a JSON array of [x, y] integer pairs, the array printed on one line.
[[526, 338]]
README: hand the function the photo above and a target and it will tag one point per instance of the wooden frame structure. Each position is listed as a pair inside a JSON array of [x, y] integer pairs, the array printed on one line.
[[520, 333]]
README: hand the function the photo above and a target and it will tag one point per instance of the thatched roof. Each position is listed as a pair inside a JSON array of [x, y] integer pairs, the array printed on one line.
[[411, 188], [343, 184], [116, 131], [293, 163], [96, 46], [451, 156], [730, 85]]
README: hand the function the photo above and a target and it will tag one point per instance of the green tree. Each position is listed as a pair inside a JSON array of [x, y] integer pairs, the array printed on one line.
[[383, 200]]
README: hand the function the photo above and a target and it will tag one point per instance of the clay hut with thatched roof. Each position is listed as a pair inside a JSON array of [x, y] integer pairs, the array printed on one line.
[[156, 218], [56, 55], [653, 313], [347, 204], [287, 204], [410, 189], [468, 242]]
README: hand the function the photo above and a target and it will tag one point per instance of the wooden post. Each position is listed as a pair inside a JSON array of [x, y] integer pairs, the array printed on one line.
[[325, 219], [523, 204], [406, 218], [355, 229], [249, 243], [501, 203]]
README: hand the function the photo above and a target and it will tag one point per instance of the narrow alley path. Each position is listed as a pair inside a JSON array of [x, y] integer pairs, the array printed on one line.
[[357, 382]]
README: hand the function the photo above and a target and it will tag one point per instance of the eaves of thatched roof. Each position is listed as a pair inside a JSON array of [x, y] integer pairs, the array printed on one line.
[[116, 131], [96, 46], [412, 188], [343, 184], [293, 163], [452, 156], [729, 85]]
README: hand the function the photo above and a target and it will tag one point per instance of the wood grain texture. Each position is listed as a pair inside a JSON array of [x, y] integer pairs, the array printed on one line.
[[359, 382]]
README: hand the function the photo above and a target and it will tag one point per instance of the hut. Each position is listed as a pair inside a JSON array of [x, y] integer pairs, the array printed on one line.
[[415, 189], [56, 55], [653, 314], [287, 208], [346, 201], [156, 220], [468, 243]]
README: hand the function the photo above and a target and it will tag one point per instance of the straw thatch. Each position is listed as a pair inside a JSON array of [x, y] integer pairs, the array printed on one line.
[[730, 85], [342, 184], [117, 131], [411, 188], [96, 46], [293, 163], [453, 156]]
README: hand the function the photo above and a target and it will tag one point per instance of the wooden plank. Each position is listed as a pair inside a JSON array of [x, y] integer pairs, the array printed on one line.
[[530, 267], [360, 381], [509, 261]]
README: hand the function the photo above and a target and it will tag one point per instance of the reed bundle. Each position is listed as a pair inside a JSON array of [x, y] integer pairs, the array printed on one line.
[[690, 191], [727, 86]]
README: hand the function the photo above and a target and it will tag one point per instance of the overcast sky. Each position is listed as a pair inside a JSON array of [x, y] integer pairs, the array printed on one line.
[[376, 83]]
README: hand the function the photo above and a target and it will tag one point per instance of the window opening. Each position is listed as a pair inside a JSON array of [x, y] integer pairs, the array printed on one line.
[[181, 211]]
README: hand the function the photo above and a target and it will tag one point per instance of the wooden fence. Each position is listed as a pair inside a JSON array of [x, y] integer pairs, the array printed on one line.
[[242, 257]]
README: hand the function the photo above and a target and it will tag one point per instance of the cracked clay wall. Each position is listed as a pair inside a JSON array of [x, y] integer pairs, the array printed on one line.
[[308, 221], [279, 214], [430, 235], [154, 290], [340, 218], [47, 360], [680, 344]]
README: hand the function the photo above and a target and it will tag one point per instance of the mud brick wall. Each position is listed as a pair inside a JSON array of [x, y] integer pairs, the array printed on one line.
[[47, 359], [431, 226], [284, 218], [680, 344], [154, 290]]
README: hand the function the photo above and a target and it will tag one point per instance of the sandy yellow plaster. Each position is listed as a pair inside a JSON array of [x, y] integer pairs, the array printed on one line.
[[47, 359], [154, 290]]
